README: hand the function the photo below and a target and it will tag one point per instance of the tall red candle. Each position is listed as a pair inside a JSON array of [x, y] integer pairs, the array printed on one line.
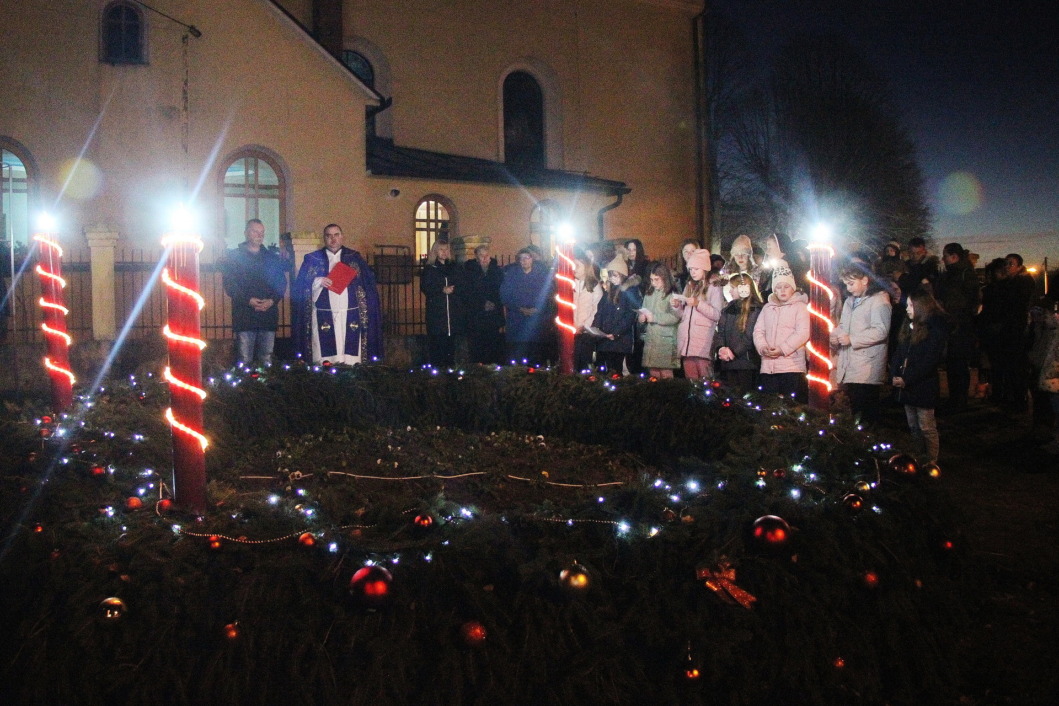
[[819, 347], [564, 296], [184, 373], [54, 311]]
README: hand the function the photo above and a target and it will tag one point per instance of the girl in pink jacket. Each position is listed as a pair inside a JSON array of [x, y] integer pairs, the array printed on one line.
[[780, 335], [700, 307]]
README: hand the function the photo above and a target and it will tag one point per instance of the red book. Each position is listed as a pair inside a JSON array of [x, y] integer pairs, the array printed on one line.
[[341, 275]]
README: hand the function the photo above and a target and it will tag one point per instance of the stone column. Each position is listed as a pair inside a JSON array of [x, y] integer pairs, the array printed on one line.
[[304, 242], [463, 248], [102, 242]]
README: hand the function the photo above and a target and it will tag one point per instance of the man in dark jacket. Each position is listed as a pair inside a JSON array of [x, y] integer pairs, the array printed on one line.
[[485, 310], [527, 292], [958, 292], [254, 277]]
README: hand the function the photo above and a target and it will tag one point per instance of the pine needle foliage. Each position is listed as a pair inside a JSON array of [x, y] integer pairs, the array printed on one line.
[[523, 473]]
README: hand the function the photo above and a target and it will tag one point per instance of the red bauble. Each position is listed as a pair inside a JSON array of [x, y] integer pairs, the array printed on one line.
[[575, 578], [473, 633], [231, 631], [779, 473], [853, 502], [423, 521], [46, 419], [215, 541], [871, 579], [903, 464], [164, 505], [98, 471], [371, 585], [771, 532], [38, 528], [133, 503], [306, 539]]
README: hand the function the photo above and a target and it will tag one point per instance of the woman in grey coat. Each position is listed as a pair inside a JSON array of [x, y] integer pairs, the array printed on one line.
[[860, 340]]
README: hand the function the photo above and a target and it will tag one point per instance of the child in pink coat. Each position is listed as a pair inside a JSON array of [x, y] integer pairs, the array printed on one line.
[[700, 307], [780, 335]]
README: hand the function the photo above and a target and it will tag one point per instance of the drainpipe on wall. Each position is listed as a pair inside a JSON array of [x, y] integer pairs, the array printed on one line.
[[703, 220], [600, 228]]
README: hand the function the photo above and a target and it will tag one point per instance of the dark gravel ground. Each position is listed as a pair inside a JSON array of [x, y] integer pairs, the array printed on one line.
[[1007, 489]]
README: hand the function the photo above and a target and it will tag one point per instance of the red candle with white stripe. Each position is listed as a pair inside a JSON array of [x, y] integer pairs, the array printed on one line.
[[184, 372], [54, 312]]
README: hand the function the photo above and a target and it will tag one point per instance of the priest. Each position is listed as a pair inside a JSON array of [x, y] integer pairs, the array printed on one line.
[[336, 316]]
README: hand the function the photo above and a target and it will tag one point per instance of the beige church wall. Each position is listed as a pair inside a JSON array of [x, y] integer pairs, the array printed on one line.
[[247, 86], [623, 71], [499, 212]]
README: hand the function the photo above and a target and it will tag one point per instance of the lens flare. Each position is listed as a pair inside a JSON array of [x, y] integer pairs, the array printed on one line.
[[960, 193]]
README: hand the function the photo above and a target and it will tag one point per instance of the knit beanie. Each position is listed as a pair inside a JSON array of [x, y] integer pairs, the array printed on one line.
[[616, 265], [782, 273], [701, 259]]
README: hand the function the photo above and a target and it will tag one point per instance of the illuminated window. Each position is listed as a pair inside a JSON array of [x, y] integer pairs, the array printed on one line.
[[434, 221], [544, 219], [523, 120], [122, 34], [253, 188], [16, 187]]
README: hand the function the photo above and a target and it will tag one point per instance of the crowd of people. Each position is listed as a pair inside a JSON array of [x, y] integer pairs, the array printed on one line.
[[744, 320]]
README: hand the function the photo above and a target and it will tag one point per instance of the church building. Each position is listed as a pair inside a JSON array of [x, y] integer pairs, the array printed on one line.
[[403, 121]]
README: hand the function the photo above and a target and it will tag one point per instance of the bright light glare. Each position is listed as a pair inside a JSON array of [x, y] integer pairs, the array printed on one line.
[[821, 233], [566, 232], [183, 220], [46, 223]]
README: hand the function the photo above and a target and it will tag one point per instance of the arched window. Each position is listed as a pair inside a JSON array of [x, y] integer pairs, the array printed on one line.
[[362, 68], [122, 34], [253, 188], [17, 181], [544, 219], [435, 220], [523, 120], [359, 65]]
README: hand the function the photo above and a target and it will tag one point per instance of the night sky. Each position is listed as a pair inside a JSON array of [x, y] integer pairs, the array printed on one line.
[[977, 83]]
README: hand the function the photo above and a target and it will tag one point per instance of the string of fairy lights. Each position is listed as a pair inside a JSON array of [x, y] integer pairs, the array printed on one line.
[[803, 481]]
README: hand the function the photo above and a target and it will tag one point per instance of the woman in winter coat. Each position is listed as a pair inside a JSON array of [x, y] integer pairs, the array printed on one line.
[[860, 340], [659, 323], [587, 292], [741, 262], [443, 285], [616, 317], [914, 367], [733, 344], [780, 335], [700, 307]]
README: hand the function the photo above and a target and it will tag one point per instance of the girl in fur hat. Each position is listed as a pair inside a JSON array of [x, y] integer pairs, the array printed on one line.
[[700, 307], [741, 262]]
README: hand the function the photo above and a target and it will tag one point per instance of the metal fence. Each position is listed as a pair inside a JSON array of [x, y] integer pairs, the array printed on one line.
[[140, 301]]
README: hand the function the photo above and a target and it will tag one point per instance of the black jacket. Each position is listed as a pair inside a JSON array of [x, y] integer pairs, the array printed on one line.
[[619, 318], [483, 286], [917, 364], [261, 275], [728, 335], [445, 312]]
